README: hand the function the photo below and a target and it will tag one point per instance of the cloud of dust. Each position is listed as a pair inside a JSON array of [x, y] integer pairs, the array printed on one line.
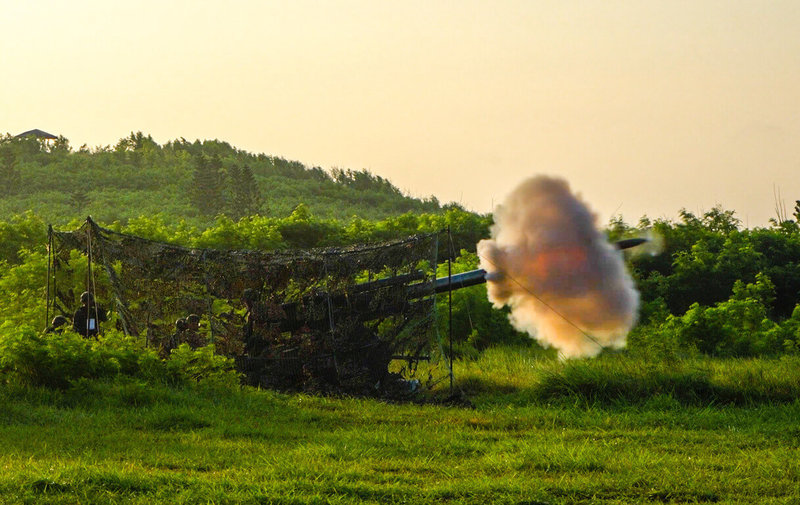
[[566, 285]]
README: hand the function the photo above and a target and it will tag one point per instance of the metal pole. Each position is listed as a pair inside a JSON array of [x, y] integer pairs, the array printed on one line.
[[89, 270], [55, 289], [94, 289], [331, 323], [450, 303], [49, 254], [209, 298]]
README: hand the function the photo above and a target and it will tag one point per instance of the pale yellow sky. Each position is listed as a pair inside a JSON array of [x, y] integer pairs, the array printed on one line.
[[644, 106]]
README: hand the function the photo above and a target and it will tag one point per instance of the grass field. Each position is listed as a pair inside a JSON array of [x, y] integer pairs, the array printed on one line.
[[612, 430]]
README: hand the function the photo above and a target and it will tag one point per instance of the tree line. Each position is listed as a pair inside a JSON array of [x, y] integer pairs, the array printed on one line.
[[195, 181], [715, 288]]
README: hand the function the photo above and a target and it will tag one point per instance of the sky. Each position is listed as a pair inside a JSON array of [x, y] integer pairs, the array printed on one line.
[[645, 107]]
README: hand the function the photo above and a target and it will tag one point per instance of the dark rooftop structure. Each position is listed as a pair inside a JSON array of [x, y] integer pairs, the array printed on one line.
[[39, 134]]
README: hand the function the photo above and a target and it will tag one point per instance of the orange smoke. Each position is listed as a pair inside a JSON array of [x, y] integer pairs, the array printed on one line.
[[565, 284], [556, 260]]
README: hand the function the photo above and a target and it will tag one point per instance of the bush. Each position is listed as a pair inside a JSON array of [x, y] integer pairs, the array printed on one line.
[[60, 360], [738, 326], [53, 360], [202, 366]]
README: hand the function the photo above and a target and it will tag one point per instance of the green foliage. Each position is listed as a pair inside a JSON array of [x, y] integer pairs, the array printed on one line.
[[246, 198], [255, 232], [52, 360], [207, 185], [79, 199], [301, 231], [719, 292], [9, 172], [193, 181], [363, 181], [694, 294], [22, 289], [717, 289], [738, 326], [21, 232], [58, 360], [186, 366]]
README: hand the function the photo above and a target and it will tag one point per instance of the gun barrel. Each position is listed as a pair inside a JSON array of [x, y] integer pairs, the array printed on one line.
[[361, 294], [629, 242], [462, 280], [475, 277]]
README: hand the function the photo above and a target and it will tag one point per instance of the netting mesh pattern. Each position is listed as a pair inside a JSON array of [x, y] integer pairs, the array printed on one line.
[[309, 319]]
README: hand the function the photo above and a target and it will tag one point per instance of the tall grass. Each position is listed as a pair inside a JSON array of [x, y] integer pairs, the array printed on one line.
[[524, 375]]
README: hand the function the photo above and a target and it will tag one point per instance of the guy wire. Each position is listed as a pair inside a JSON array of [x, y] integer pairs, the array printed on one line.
[[450, 306]]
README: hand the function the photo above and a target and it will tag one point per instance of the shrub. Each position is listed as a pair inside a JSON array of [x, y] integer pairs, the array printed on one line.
[[201, 366], [59, 360], [738, 326], [52, 360]]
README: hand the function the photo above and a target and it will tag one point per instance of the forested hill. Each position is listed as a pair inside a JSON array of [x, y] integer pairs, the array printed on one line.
[[194, 181]]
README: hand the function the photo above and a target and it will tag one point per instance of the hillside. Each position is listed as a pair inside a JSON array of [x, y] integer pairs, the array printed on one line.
[[194, 181]]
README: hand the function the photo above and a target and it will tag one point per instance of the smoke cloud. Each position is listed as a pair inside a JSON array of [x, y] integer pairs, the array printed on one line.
[[566, 285]]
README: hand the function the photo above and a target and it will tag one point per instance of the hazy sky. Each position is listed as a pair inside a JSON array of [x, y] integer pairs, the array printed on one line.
[[644, 106]]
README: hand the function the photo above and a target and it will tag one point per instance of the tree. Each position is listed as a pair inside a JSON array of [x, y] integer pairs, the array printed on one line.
[[208, 183], [9, 173], [246, 199], [364, 180], [721, 220], [79, 199], [60, 146], [301, 230]]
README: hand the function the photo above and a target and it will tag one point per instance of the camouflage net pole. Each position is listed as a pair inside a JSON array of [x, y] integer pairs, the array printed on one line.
[[49, 273], [318, 319]]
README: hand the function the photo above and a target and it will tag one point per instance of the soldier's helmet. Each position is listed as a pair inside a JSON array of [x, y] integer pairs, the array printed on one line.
[[249, 295]]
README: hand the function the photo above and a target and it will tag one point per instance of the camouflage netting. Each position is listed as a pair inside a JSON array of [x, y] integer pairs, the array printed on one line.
[[323, 319]]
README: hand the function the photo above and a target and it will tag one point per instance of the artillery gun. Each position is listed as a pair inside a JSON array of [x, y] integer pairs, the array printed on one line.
[[360, 354], [311, 324]]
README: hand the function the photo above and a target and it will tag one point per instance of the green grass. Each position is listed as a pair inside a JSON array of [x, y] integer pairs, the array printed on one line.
[[539, 433], [523, 376]]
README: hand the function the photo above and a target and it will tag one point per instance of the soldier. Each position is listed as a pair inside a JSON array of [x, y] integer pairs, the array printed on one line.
[[87, 318], [56, 325], [193, 337], [255, 319], [174, 340]]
